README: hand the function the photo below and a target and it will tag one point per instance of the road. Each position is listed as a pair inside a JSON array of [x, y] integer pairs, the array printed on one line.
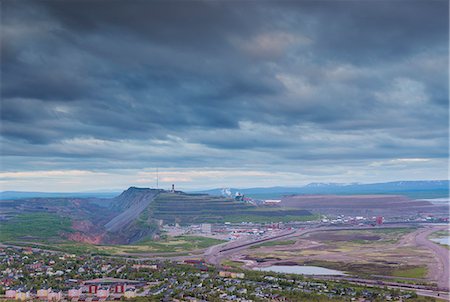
[[442, 255], [215, 254], [421, 290]]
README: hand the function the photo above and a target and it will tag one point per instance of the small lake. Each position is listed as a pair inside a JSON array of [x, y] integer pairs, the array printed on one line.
[[301, 270], [443, 240], [439, 201]]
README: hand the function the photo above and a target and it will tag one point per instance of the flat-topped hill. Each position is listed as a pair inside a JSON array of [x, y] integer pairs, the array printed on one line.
[[359, 204], [140, 212], [195, 208]]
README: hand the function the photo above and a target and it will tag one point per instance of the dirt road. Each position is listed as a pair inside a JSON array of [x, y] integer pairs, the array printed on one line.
[[441, 253], [215, 254]]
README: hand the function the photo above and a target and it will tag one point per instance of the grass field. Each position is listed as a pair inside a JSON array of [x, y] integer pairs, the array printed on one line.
[[415, 272], [178, 244], [233, 264], [393, 231], [383, 252], [62, 246], [440, 234], [181, 243], [367, 269], [273, 243], [372, 236], [36, 226]]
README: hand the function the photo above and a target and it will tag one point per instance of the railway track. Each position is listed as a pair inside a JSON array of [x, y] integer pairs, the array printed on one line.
[[257, 242]]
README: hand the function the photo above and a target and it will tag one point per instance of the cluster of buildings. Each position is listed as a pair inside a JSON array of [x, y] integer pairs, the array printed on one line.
[[225, 231], [97, 278], [89, 291], [379, 220], [433, 219], [353, 220], [28, 274], [231, 274]]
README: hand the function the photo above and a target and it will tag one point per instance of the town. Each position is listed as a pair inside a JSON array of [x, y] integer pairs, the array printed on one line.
[[32, 274]]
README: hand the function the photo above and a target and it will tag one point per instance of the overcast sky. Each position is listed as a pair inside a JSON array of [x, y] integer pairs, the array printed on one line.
[[98, 94]]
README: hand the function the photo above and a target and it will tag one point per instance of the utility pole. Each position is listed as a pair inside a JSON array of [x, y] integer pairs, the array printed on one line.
[[157, 179]]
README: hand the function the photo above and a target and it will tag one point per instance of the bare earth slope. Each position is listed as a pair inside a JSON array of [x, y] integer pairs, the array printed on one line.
[[135, 204]]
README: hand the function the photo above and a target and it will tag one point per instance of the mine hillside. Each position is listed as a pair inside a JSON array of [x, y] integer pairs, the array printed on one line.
[[385, 205], [130, 204], [141, 211], [134, 215]]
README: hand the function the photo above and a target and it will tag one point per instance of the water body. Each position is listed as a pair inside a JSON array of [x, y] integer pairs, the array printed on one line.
[[443, 240], [301, 270], [439, 201]]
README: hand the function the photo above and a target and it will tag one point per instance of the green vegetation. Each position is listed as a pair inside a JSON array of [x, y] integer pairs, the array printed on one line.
[[368, 269], [273, 243], [174, 245], [179, 244], [394, 231], [232, 264], [39, 226], [371, 236], [70, 247], [77, 248], [440, 234], [414, 272]]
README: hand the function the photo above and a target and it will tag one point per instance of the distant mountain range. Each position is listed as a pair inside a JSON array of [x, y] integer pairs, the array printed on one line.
[[413, 189]]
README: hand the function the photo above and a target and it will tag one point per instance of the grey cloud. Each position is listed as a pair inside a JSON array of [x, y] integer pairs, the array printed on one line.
[[369, 79]]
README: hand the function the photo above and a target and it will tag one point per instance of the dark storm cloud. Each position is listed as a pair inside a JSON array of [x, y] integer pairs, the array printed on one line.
[[369, 31], [207, 83]]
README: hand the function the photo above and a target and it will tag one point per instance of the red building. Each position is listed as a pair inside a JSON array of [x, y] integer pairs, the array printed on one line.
[[93, 289], [119, 289], [379, 220]]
